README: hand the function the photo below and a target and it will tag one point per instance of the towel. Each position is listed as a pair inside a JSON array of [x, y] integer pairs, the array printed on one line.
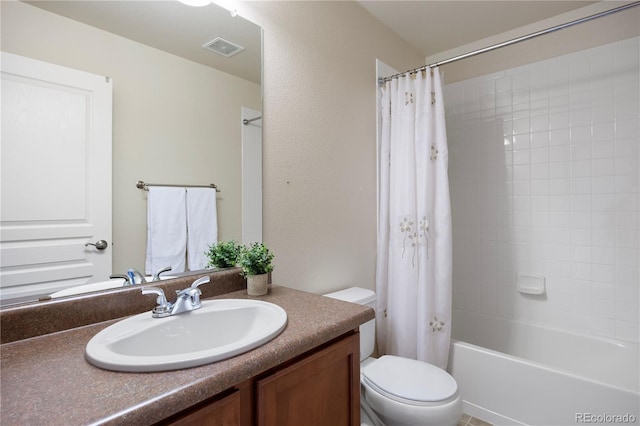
[[202, 225], [166, 229]]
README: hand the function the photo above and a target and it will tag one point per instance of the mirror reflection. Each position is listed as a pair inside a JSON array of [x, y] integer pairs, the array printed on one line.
[[176, 117]]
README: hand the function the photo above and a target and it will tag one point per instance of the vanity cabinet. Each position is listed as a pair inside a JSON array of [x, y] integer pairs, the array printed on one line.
[[231, 408], [320, 388]]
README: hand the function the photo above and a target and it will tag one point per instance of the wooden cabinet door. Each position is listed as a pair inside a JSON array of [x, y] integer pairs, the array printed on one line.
[[322, 389], [226, 411]]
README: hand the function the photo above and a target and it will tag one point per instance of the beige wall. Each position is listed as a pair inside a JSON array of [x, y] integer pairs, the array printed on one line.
[[174, 121], [320, 138]]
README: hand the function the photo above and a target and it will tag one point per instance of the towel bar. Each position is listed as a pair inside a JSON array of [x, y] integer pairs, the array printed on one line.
[[145, 186]]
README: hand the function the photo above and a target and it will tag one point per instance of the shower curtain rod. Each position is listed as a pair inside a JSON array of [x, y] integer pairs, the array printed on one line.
[[383, 80]]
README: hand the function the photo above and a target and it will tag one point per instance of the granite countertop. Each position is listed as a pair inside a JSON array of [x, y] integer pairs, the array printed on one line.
[[46, 379]]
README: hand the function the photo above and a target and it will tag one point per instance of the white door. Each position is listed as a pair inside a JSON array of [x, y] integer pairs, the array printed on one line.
[[55, 178]]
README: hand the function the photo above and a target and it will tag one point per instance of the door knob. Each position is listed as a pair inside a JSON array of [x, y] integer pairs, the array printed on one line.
[[100, 244]]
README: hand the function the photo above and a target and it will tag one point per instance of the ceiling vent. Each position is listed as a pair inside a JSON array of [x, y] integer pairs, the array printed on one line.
[[223, 47]]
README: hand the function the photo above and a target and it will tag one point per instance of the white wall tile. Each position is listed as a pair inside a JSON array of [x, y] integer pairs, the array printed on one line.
[[556, 193], [603, 184], [603, 149], [540, 171], [540, 155], [603, 255], [605, 131], [559, 136], [559, 120], [626, 129]]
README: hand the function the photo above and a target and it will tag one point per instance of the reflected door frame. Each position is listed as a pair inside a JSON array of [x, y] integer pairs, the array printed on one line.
[[251, 176]]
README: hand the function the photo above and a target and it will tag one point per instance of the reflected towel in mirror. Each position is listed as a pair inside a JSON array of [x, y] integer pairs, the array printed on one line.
[[202, 225], [166, 229]]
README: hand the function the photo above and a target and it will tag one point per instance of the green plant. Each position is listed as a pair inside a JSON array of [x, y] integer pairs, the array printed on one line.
[[256, 259], [224, 254]]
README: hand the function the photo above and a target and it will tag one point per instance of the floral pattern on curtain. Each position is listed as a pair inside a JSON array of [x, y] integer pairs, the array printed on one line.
[[413, 271]]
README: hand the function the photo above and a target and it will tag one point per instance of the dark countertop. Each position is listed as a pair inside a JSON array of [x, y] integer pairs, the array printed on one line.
[[46, 379]]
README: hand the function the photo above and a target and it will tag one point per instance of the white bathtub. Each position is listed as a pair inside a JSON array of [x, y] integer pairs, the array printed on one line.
[[513, 373]]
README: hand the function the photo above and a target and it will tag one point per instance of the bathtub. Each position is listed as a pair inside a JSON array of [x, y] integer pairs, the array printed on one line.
[[512, 373]]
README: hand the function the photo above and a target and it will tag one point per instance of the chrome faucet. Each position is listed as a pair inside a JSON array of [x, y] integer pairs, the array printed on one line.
[[156, 276], [133, 273], [188, 299], [127, 279]]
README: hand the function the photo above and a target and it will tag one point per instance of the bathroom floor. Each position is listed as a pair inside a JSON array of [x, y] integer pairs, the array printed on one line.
[[467, 420]]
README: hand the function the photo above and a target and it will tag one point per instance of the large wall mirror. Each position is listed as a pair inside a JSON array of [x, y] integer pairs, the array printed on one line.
[[177, 112]]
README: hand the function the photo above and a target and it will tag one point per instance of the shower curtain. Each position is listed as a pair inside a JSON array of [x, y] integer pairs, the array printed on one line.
[[413, 271]]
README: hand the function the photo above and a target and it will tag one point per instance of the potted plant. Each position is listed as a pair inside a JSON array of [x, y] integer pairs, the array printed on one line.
[[255, 262], [224, 254]]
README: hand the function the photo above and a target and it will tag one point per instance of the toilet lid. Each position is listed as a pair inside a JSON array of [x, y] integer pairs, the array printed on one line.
[[410, 380]]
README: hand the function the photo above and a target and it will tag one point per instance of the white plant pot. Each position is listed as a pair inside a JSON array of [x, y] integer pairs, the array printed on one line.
[[257, 285]]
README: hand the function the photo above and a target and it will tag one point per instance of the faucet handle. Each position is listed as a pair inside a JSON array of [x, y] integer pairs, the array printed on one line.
[[156, 276], [163, 308], [192, 293], [128, 279], [124, 277], [200, 281]]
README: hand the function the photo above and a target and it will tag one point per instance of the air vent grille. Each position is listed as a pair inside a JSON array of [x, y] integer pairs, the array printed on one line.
[[223, 47]]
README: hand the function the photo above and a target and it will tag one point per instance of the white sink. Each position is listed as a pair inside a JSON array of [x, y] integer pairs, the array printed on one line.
[[219, 330], [102, 285]]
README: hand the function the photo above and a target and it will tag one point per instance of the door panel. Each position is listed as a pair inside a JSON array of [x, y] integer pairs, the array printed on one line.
[[55, 177]]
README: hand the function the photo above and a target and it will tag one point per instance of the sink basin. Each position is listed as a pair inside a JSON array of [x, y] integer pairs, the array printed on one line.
[[102, 285], [219, 330]]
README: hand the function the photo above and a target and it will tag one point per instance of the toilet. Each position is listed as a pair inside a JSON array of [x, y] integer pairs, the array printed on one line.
[[398, 391]]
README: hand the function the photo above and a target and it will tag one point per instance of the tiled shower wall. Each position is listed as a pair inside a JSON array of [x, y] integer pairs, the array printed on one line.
[[543, 166]]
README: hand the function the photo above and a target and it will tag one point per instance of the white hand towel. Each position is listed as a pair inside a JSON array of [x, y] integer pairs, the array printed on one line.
[[202, 225], [166, 229]]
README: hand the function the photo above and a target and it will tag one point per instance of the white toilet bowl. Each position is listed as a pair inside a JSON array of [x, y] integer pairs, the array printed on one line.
[[399, 391], [406, 392]]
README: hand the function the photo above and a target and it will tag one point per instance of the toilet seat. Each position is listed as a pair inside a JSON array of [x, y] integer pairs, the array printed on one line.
[[409, 381]]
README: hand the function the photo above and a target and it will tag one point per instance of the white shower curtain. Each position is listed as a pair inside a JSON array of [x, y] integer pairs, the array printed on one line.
[[413, 271]]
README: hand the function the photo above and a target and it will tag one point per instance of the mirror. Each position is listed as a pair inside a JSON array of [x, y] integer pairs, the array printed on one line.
[[168, 128]]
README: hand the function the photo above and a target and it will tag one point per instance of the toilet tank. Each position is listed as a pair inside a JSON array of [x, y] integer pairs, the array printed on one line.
[[361, 296]]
